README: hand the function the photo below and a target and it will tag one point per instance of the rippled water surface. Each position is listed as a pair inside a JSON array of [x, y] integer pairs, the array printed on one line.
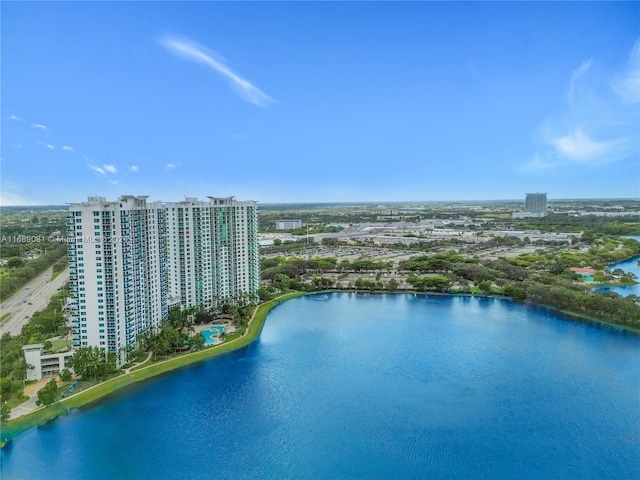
[[379, 386]]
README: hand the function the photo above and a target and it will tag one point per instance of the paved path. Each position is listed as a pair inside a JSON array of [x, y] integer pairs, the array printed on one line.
[[128, 370], [29, 406], [30, 299]]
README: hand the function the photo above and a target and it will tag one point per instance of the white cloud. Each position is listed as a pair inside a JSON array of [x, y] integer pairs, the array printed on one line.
[[597, 125], [578, 146], [171, 166], [96, 169], [133, 168], [67, 148], [200, 54], [537, 164], [40, 126], [575, 77], [50, 147], [15, 117], [110, 168], [627, 85]]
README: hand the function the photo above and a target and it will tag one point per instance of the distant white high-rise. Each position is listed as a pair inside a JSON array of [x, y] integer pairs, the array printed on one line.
[[536, 203], [213, 250], [118, 271]]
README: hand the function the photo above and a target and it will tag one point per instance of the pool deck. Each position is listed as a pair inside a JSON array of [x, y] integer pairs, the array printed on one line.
[[228, 327]]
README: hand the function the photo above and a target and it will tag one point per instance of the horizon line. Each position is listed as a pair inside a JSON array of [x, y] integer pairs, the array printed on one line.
[[582, 199]]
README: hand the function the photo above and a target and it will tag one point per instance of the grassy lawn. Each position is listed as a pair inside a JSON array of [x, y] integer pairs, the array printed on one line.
[[54, 274], [61, 344], [89, 395], [5, 316], [14, 401]]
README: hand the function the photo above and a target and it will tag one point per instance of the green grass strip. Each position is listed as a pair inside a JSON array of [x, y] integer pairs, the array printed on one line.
[[42, 415]]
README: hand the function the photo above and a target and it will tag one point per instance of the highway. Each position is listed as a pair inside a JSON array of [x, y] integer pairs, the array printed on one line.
[[29, 299]]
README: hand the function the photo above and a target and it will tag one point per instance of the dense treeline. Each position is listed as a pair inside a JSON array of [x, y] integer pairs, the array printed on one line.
[[43, 325], [565, 223], [542, 278], [22, 274], [295, 268], [605, 306]]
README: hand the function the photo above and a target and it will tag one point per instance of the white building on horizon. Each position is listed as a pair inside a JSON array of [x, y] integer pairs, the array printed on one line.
[[535, 205], [288, 224]]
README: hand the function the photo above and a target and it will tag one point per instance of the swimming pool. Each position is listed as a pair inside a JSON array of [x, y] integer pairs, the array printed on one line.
[[211, 333]]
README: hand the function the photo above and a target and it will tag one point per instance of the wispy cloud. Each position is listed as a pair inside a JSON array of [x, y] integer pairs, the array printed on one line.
[[46, 145], [597, 125], [579, 147], [96, 169], [536, 164], [67, 148], [40, 126], [575, 78], [170, 166], [110, 168], [16, 118], [133, 168], [627, 85], [197, 53], [114, 182]]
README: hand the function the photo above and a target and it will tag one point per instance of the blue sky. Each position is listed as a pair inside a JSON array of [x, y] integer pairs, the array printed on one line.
[[292, 102]]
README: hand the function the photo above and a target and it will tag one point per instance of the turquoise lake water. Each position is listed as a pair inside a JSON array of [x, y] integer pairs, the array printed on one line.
[[628, 266], [365, 387]]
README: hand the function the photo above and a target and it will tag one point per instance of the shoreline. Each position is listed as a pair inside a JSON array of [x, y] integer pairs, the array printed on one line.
[[561, 313], [92, 394], [43, 415]]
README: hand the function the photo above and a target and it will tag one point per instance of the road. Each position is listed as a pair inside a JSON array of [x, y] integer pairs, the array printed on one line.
[[29, 299]]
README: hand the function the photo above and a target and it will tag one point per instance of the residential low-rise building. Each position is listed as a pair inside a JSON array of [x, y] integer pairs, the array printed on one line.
[[40, 365]]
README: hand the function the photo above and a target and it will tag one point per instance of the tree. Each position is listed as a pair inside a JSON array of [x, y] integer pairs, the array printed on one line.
[[5, 413], [485, 286], [330, 241], [196, 342], [519, 294], [392, 286], [48, 394], [277, 241], [15, 262], [93, 363], [65, 375]]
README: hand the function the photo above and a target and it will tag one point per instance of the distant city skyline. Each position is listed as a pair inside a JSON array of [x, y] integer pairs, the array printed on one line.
[[319, 102]]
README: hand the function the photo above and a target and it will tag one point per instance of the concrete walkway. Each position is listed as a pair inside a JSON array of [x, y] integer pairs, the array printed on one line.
[[128, 370], [29, 406]]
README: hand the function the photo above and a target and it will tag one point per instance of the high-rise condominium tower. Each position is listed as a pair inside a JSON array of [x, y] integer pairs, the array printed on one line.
[[536, 203], [118, 271], [130, 259], [213, 250]]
